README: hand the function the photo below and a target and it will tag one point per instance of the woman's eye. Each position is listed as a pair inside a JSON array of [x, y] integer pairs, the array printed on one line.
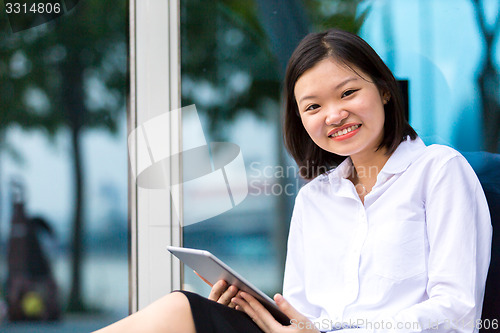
[[349, 92], [312, 107]]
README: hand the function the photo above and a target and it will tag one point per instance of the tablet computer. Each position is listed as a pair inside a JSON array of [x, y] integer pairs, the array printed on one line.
[[213, 269]]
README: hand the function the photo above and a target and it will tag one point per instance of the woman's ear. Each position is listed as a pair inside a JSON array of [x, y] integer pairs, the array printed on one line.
[[386, 96]]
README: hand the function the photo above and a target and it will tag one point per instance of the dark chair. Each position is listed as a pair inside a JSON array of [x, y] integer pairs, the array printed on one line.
[[487, 168]]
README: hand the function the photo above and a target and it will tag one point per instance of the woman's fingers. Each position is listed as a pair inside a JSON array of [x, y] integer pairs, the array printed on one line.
[[243, 305], [288, 309], [227, 296], [222, 293], [259, 314], [255, 310], [293, 314], [217, 290]]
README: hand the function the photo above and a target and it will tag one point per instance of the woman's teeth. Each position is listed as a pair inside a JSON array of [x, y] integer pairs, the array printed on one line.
[[345, 131]]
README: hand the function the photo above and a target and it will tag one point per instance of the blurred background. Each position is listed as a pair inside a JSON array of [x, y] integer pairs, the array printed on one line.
[[63, 134], [63, 168]]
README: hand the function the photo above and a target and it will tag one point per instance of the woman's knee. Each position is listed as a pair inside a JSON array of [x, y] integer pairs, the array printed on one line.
[[176, 302], [175, 313], [177, 298]]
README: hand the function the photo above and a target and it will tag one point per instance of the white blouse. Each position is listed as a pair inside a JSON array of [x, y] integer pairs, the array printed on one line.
[[413, 258]]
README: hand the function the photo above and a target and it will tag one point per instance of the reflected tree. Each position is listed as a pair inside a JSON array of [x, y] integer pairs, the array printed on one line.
[[489, 78], [68, 74], [235, 61], [226, 70], [348, 15], [14, 66]]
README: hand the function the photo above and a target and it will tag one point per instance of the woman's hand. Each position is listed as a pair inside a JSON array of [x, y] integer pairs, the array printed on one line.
[[252, 307], [223, 293]]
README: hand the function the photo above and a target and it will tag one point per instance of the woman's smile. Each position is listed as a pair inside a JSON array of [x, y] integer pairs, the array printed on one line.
[[344, 132], [341, 108]]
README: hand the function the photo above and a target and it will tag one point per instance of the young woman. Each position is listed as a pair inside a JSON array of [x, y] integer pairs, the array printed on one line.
[[388, 236]]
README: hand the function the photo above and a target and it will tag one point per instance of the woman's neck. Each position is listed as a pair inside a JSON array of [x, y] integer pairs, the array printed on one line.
[[366, 169]]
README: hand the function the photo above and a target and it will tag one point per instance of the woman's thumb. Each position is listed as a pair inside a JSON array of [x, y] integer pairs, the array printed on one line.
[[287, 308]]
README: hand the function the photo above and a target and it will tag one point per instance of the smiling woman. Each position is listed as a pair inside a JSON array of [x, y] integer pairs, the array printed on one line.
[[408, 253], [336, 89], [344, 111]]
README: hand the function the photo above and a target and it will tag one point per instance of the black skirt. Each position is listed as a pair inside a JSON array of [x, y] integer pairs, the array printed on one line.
[[212, 317]]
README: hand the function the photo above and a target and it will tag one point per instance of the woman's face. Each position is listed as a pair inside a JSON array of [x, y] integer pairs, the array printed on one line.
[[342, 111]]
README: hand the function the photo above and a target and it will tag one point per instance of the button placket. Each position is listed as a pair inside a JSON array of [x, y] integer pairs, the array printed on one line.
[[354, 257]]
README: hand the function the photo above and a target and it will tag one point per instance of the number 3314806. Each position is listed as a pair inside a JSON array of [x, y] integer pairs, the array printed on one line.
[[35, 8]]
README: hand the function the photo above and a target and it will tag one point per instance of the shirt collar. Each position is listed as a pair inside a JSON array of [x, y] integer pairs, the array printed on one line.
[[340, 172], [403, 156], [400, 160]]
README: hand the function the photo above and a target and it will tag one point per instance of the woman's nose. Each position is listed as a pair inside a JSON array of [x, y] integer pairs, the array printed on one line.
[[335, 115]]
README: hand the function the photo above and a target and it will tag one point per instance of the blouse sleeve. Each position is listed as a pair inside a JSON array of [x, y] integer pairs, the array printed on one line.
[[459, 232]]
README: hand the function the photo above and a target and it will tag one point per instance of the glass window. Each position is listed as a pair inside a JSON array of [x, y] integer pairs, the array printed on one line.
[[233, 77], [444, 52], [63, 168], [233, 59], [232, 68]]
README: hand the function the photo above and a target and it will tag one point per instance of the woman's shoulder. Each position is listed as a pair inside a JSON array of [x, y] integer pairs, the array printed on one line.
[[437, 159], [440, 154], [442, 149]]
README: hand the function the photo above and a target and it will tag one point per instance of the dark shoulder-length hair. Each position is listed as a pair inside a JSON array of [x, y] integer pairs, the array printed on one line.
[[353, 52]]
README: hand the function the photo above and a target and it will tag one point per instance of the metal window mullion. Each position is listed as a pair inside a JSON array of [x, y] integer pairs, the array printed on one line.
[[156, 63], [132, 188]]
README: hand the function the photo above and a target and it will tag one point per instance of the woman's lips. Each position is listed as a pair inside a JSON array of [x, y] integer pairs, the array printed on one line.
[[345, 132]]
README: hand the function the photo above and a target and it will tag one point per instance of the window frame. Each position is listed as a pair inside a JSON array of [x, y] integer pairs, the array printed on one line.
[[154, 89]]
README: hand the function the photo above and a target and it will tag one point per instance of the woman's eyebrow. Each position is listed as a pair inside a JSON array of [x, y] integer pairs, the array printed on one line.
[[306, 97], [346, 81], [337, 87]]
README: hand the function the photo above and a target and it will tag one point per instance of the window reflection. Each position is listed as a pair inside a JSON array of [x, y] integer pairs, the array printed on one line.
[[63, 170]]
